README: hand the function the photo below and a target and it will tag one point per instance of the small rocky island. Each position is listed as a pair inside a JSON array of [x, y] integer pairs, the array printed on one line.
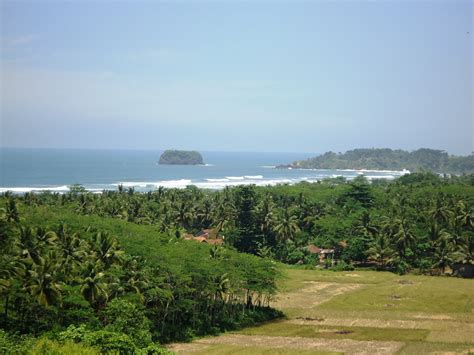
[[181, 157]]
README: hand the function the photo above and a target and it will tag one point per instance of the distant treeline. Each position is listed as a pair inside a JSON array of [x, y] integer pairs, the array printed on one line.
[[387, 159]]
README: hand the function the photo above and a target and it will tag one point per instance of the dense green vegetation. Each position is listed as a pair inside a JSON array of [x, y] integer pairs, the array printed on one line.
[[110, 285], [387, 159], [181, 157], [112, 271]]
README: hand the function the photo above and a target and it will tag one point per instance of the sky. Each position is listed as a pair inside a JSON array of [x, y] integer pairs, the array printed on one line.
[[281, 76]]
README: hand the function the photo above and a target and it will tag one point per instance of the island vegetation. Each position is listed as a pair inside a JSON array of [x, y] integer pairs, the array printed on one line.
[[114, 271], [423, 159], [181, 157]]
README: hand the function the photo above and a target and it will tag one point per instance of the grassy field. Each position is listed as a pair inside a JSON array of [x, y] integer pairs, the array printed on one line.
[[358, 312]]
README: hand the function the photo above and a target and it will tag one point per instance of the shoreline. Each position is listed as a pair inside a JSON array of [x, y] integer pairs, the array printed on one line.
[[207, 183]]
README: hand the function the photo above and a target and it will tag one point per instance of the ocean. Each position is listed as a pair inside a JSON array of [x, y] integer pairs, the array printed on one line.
[[24, 170]]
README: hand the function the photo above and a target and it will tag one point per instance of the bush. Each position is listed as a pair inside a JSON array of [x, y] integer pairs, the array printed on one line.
[[154, 349], [342, 266], [121, 316], [107, 341], [76, 310], [50, 347], [401, 267], [104, 340], [73, 333], [12, 344], [110, 342]]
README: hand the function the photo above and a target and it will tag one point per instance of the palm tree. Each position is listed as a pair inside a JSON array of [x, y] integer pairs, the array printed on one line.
[[93, 284], [43, 283], [443, 253], [366, 225], [286, 226], [11, 211], [222, 215], [46, 238], [72, 249], [403, 236], [441, 213], [380, 250], [106, 249], [135, 279], [435, 234], [464, 215], [265, 214], [10, 267], [222, 286], [205, 212], [465, 250], [184, 214], [28, 244]]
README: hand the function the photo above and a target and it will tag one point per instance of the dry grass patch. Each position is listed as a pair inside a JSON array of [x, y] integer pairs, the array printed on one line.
[[435, 348], [259, 350], [294, 278], [297, 344], [425, 295], [453, 335], [312, 294], [283, 328], [385, 323]]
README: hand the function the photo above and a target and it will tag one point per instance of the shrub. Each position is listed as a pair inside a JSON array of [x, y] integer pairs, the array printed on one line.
[[342, 266], [110, 342], [121, 316], [50, 347], [12, 344], [154, 349], [104, 340]]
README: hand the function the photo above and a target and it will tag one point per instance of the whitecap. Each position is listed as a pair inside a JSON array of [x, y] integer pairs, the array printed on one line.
[[128, 184], [252, 177], [62, 188], [235, 177], [388, 177], [217, 180], [182, 183]]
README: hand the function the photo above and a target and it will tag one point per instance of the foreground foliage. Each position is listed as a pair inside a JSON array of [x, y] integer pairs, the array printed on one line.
[[75, 283]]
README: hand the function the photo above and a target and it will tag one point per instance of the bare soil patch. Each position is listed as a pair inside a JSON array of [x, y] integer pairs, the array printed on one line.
[[313, 294]]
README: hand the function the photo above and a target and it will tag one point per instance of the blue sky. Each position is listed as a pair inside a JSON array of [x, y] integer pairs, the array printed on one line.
[[241, 76]]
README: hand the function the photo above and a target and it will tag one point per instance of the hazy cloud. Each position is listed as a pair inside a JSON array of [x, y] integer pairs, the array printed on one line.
[[21, 40]]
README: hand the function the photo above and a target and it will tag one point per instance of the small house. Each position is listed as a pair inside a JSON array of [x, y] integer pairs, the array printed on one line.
[[208, 236], [324, 254]]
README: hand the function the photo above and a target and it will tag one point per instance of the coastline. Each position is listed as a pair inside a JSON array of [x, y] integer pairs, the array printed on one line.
[[216, 183]]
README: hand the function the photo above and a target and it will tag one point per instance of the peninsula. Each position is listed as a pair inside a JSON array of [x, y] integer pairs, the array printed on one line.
[[422, 159], [181, 157]]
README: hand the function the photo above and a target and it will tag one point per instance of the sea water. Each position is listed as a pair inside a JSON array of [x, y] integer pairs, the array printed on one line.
[[23, 170]]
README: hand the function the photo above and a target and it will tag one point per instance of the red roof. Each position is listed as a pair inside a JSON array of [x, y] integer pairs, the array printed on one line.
[[313, 249]]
